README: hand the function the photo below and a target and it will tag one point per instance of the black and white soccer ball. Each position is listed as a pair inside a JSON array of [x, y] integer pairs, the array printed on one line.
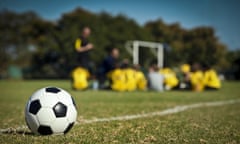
[[50, 110]]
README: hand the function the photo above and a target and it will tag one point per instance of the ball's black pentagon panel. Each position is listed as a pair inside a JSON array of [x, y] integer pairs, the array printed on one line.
[[68, 128], [60, 110], [52, 90], [34, 107], [45, 130]]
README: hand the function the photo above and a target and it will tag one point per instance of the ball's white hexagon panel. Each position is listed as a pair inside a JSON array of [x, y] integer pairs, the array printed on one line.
[[71, 113], [65, 98], [37, 94], [45, 116], [49, 100], [59, 125]]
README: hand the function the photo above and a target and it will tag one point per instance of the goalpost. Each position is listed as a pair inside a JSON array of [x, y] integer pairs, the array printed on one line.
[[156, 48]]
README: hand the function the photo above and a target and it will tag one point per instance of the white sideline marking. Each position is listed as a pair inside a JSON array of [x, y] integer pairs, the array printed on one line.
[[169, 111]]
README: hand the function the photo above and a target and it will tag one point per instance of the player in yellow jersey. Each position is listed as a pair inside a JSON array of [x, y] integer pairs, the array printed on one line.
[[80, 78], [170, 79], [141, 81], [210, 79], [80, 75], [118, 79], [130, 81], [196, 78], [185, 77], [83, 47]]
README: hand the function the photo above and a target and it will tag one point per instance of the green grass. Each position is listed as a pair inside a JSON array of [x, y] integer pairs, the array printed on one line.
[[202, 125]]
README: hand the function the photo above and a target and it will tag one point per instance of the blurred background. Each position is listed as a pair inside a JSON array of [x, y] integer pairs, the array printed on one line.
[[37, 37]]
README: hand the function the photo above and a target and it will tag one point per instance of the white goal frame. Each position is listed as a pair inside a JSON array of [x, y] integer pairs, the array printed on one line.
[[133, 48]]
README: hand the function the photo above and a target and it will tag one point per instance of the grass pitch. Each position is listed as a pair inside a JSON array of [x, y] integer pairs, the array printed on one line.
[[219, 124]]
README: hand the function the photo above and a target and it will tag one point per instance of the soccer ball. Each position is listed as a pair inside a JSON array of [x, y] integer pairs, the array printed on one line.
[[50, 110]]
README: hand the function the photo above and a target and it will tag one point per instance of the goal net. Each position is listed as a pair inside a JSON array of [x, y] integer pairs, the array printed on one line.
[[156, 48]]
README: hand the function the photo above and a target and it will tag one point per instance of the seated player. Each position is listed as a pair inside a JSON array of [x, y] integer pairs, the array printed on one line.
[[155, 78], [130, 81], [185, 77], [210, 79], [170, 78], [80, 78], [141, 81], [108, 64], [117, 79], [196, 78]]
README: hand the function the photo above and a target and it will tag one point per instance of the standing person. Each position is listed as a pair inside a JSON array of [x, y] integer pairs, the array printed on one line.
[[80, 74], [83, 47]]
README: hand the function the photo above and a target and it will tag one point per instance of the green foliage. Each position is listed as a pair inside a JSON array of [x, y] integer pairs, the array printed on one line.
[[194, 45], [45, 49], [233, 57]]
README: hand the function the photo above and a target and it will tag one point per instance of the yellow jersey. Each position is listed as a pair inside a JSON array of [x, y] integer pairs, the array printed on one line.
[[211, 79], [118, 80], [196, 79], [80, 78], [170, 78], [185, 68], [78, 44], [141, 81], [130, 82]]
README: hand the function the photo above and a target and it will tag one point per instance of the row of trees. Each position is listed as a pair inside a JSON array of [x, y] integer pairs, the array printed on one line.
[[45, 49]]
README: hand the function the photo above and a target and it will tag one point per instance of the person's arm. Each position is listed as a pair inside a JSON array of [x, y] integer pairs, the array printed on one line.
[[85, 48], [80, 48]]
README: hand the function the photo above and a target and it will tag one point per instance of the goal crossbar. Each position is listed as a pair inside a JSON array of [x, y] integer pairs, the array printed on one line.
[[133, 48]]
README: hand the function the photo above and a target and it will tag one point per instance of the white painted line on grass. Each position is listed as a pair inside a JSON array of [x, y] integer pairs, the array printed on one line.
[[168, 111]]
